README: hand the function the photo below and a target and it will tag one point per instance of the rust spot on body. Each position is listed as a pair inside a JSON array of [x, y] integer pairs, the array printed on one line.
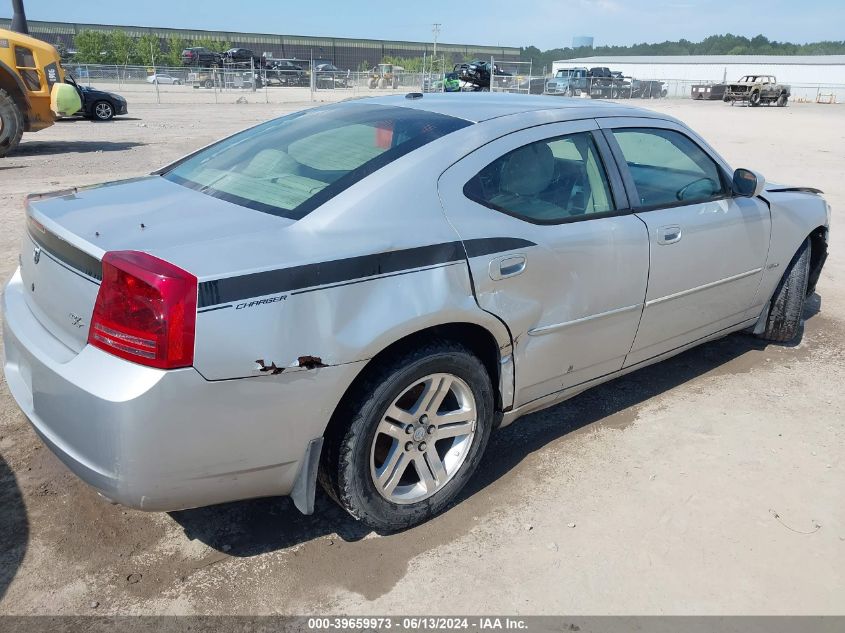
[[311, 362], [272, 369]]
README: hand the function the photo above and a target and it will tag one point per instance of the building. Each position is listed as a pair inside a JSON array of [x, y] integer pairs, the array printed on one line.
[[345, 53], [582, 41], [808, 75]]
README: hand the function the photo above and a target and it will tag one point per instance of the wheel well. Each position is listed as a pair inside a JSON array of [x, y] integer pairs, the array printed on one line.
[[818, 255], [8, 83], [478, 339]]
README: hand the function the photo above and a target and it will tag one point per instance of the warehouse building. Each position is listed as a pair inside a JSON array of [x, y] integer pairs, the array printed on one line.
[[345, 53], [808, 75]]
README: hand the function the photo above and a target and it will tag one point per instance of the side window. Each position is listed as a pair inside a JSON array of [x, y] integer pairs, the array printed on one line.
[[550, 181], [668, 168]]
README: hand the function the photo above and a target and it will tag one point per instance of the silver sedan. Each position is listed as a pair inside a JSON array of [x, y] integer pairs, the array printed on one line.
[[360, 293]]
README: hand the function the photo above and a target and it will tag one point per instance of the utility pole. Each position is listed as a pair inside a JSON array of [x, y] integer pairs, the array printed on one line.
[[435, 29]]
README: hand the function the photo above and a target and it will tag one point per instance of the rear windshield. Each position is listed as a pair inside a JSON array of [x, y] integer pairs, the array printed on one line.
[[290, 166]]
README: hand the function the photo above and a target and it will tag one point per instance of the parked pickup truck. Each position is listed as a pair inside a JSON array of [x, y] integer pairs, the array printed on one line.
[[568, 82], [757, 89]]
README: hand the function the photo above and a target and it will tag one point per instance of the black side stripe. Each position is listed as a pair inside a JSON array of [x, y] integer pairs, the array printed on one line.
[[268, 282]]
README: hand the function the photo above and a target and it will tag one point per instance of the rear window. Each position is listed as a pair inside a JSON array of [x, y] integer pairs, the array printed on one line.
[[290, 166]]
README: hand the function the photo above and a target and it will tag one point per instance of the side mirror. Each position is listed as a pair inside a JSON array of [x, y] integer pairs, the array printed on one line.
[[747, 183]]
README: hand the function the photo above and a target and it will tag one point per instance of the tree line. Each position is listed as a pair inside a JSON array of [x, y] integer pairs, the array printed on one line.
[[714, 45], [117, 47]]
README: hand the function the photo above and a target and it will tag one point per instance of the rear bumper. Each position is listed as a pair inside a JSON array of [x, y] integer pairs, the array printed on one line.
[[163, 440]]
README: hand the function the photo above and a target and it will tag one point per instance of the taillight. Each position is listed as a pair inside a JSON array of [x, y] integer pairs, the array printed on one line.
[[146, 311]]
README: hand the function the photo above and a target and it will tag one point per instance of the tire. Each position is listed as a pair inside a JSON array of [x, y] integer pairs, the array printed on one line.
[[176, 82], [357, 446], [754, 99], [102, 111], [784, 321], [208, 84], [11, 124], [782, 100]]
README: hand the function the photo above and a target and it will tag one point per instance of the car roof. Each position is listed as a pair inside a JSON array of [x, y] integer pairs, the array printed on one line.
[[482, 106]]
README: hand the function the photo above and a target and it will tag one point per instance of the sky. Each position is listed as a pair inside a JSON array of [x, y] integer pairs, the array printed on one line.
[[542, 23]]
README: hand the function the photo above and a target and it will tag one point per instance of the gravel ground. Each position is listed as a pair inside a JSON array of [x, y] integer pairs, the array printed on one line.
[[712, 483]]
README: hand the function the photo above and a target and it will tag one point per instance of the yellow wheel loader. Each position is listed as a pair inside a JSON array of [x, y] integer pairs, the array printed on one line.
[[33, 91]]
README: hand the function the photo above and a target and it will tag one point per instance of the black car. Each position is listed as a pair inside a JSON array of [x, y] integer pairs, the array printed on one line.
[[327, 75], [200, 56], [477, 73], [98, 104], [286, 73], [235, 55]]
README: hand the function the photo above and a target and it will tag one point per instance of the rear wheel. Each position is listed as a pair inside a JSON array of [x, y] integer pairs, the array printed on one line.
[[11, 123], [103, 111], [415, 433], [784, 321], [208, 84]]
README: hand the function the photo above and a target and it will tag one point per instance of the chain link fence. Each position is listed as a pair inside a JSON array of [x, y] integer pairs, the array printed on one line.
[[286, 84]]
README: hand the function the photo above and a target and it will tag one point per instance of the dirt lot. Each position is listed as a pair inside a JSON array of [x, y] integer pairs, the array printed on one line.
[[710, 483]]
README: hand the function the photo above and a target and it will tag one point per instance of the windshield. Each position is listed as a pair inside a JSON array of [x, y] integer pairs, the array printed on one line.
[[290, 166], [563, 73]]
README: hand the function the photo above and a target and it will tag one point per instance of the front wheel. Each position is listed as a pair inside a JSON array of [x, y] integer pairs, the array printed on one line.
[[754, 99], [402, 450], [782, 99], [784, 321], [103, 111], [11, 124]]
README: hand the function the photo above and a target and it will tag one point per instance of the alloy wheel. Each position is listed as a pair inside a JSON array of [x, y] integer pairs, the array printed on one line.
[[103, 111], [423, 438]]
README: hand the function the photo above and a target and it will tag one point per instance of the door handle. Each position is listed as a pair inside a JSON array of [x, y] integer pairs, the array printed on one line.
[[507, 266], [669, 234]]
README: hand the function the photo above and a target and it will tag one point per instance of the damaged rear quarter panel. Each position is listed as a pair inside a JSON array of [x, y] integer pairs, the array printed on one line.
[[337, 325]]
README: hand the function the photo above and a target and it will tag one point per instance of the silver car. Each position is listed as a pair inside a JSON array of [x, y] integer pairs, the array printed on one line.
[[360, 293], [163, 78]]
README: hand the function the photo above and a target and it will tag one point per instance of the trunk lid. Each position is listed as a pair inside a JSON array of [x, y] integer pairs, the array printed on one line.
[[68, 233]]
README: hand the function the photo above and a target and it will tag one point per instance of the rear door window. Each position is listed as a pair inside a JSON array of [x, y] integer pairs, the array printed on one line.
[[290, 166], [547, 182]]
